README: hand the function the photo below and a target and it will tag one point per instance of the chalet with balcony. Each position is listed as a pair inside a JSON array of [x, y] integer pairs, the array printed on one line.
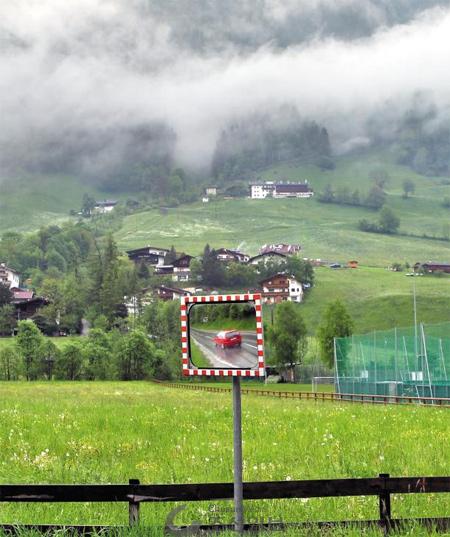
[[281, 287], [164, 292], [181, 268], [9, 276], [226, 255], [26, 303], [151, 255]]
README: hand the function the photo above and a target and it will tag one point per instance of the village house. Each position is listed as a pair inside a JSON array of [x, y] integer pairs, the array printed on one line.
[[9, 276], [151, 255], [281, 287], [135, 304], [26, 303], [181, 268], [164, 292], [211, 191], [285, 249], [164, 270], [263, 190], [226, 255], [266, 258], [432, 267], [293, 190], [105, 206]]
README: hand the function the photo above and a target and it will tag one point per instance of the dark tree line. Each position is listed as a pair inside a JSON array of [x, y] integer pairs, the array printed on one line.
[[262, 140], [424, 145], [374, 199]]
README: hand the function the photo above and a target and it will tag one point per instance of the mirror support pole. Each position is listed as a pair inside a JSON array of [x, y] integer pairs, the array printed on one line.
[[237, 450]]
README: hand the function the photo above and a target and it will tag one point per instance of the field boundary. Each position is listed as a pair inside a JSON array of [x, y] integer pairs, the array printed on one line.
[[318, 396], [134, 494]]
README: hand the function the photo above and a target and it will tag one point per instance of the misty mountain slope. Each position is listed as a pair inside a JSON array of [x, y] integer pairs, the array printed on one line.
[[96, 88]]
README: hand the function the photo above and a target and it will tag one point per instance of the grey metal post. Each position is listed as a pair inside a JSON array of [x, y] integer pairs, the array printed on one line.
[[425, 354], [237, 448], [336, 372]]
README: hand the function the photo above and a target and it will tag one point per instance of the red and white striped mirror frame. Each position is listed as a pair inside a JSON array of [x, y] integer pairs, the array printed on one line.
[[190, 369]]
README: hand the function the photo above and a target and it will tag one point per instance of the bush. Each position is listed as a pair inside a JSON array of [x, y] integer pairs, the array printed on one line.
[[69, 363]]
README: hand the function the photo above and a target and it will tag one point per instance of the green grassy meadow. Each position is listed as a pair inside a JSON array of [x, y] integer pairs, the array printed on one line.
[[108, 432], [258, 385]]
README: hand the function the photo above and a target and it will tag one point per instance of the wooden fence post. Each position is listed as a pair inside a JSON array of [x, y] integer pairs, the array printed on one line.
[[385, 505], [133, 507]]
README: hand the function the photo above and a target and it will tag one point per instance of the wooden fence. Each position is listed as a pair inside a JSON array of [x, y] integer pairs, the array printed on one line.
[[135, 493], [318, 396]]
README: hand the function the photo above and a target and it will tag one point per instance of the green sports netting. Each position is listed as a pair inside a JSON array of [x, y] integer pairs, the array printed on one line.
[[412, 361]]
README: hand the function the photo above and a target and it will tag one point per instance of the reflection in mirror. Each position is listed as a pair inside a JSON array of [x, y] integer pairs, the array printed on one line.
[[223, 335]]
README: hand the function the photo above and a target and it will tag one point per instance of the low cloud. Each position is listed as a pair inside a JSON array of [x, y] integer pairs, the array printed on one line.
[[76, 71]]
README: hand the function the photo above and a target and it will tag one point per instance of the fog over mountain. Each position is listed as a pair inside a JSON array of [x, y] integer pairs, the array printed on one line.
[[85, 84]]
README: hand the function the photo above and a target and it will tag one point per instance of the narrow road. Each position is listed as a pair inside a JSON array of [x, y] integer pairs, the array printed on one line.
[[245, 356]]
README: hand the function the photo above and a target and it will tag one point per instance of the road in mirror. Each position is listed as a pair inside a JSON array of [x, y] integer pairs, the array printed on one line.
[[223, 335]]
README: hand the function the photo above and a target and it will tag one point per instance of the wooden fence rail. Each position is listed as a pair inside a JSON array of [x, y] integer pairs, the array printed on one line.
[[135, 493], [320, 396]]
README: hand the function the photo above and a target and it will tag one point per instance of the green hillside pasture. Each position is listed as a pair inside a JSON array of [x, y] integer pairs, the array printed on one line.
[[91, 432], [378, 298], [29, 202], [325, 231]]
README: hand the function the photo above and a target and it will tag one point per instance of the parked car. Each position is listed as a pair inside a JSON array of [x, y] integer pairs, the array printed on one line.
[[228, 338]]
